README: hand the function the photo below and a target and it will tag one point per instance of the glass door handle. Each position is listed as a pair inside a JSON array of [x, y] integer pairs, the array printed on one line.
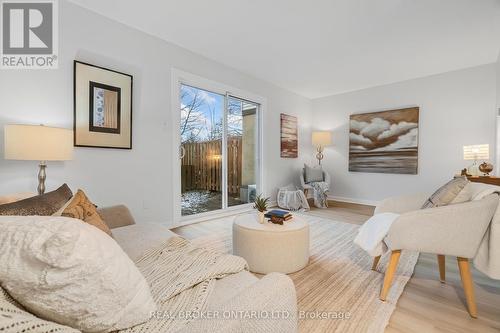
[[182, 152]]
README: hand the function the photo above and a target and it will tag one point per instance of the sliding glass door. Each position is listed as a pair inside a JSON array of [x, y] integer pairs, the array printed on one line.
[[219, 150], [242, 151]]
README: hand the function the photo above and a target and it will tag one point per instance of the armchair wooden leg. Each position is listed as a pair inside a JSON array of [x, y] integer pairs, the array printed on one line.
[[375, 263], [465, 275], [389, 273], [442, 269], [305, 192]]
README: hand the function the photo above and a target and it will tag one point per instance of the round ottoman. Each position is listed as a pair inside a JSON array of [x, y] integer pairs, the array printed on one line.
[[271, 247]]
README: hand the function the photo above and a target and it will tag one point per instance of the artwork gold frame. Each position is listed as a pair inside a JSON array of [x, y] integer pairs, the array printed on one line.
[[102, 107]]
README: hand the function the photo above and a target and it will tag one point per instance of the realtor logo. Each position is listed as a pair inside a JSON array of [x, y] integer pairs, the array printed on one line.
[[29, 34]]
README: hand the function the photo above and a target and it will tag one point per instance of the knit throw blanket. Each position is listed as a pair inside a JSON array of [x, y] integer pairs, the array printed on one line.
[[320, 190], [181, 277]]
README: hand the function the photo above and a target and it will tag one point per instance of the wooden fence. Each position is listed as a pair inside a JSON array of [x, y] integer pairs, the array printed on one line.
[[201, 167]]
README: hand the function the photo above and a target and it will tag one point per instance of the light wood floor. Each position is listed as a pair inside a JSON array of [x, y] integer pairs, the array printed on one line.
[[426, 304]]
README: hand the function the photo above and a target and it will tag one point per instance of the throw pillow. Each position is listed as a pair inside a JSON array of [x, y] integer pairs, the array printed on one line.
[[44, 205], [68, 272], [80, 207], [464, 195], [5, 199], [446, 193], [313, 174]]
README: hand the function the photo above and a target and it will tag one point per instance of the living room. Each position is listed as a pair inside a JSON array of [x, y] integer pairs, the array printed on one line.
[[344, 117]]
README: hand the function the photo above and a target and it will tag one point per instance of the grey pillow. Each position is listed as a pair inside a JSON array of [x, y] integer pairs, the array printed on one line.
[[446, 193], [43, 205], [313, 174]]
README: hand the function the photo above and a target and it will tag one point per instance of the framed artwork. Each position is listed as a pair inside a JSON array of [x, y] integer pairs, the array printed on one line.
[[289, 136], [102, 107], [384, 142]]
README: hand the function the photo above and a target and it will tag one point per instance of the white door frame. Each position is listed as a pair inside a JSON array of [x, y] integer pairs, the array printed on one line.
[[179, 77]]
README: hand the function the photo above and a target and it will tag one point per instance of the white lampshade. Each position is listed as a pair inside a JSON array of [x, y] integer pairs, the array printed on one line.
[[38, 143], [477, 152], [321, 138]]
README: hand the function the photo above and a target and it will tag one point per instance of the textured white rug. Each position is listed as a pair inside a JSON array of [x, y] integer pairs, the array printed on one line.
[[338, 291]]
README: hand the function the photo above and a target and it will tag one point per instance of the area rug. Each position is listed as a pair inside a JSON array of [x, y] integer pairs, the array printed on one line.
[[338, 291]]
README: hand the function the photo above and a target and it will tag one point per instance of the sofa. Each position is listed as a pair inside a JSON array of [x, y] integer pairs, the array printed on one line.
[[242, 302]]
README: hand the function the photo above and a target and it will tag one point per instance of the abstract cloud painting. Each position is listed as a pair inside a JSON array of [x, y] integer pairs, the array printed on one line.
[[384, 142]]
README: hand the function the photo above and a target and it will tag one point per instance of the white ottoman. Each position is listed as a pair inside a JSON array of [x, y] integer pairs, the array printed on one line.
[[271, 247]]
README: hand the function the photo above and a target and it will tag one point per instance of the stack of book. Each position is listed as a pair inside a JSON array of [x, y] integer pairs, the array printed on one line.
[[278, 216]]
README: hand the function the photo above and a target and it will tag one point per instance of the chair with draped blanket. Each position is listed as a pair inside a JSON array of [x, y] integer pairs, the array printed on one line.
[[458, 230]]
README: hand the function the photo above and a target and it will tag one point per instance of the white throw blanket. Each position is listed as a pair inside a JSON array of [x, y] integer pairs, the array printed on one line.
[[181, 276], [371, 234], [487, 260], [320, 190]]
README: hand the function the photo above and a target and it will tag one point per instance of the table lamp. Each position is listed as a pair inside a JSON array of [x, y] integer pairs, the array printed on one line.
[[38, 143], [475, 153], [320, 140]]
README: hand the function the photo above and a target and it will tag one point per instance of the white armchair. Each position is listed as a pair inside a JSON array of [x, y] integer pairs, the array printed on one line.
[[305, 186], [455, 230]]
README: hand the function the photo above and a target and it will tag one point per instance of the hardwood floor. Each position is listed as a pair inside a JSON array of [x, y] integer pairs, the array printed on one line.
[[426, 305]]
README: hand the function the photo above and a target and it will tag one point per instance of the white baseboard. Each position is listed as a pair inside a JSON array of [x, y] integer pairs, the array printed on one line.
[[354, 201]]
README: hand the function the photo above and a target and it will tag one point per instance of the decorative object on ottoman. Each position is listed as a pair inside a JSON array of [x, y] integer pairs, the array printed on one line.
[[270, 247], [260, 204], [277, 216], [38, 143], [321, 139], [292, 198], [486, 168]]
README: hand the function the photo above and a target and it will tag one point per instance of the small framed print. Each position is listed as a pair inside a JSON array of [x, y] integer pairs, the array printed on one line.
[[103, 107], [289, 136]]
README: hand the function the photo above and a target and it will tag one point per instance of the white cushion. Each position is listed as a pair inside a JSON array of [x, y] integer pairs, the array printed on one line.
[[228, 287], [135, 239], [72, 273]]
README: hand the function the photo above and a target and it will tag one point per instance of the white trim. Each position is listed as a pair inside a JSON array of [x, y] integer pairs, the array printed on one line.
[[224, 138], [354, 201], [179, 77], [176, 143]]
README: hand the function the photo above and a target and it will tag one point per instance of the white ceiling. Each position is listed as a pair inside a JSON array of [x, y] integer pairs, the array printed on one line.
[[322, 47]]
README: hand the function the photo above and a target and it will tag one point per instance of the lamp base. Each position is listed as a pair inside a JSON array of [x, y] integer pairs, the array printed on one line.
[[41, 178], [319, 155]]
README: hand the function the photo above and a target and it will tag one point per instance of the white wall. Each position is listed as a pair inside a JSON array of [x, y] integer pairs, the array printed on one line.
[[456, 108], [142, 177]]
